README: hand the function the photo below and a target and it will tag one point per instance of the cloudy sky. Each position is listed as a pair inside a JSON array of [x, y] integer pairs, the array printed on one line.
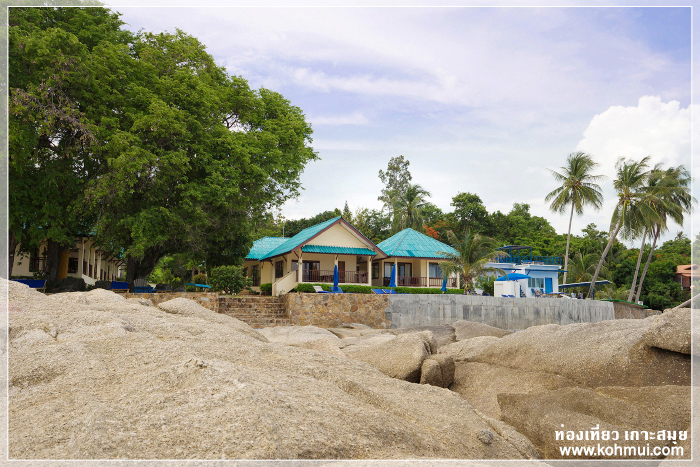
[[482, 100]]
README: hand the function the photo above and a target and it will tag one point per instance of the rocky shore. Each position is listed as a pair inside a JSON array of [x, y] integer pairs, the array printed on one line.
[[96, 376]]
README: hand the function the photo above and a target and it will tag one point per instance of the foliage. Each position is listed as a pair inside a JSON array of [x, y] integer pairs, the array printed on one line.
[[373, 224], [469, 213], [293, 227], [228, 279], [365, 289], [103, 285], [266, 288], [200, 279], [407, 207], [486, 283], [68, 284], [469, 262], [396, 178]]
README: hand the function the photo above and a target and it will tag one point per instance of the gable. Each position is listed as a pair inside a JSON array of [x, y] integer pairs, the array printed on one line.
[[338, 235]]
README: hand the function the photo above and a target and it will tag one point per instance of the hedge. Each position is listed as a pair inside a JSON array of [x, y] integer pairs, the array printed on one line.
[[347, 288], [267, 288]]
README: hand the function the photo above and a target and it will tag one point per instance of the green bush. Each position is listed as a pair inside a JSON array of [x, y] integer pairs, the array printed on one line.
[[229, 279], [348, 288], [267, 288], [103, 285], [69, 284], [200, 279]]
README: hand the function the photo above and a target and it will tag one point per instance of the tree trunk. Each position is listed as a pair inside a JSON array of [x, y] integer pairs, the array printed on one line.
[[12, 243], [141, 268], [646, 266], [591, 289], [53, 255], [568, 238], [639, 262]]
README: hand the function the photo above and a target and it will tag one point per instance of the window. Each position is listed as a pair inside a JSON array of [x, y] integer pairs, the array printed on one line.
[[434, 270], [255, 274], [295, 265], [535, 282], [279, 269], [72, 265], [387, 269], [375, 270]]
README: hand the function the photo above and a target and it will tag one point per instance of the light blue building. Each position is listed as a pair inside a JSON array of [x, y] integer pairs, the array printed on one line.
[[542, 271]]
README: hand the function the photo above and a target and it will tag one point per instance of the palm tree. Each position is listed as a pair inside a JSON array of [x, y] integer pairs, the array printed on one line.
[[578, 189], [407, 207], [473, 252], [669, 193], [582, 267], [629, 184]]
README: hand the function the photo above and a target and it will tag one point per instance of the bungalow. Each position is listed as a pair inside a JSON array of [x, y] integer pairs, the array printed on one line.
[[542, 271], [685, 274], [84, 261], [311, 256], [416, 257]]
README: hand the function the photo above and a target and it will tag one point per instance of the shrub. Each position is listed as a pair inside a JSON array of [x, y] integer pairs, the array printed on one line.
[[349, 288], [103, 285], [229, 279], [200, 279], [267, 288], [69, 284]]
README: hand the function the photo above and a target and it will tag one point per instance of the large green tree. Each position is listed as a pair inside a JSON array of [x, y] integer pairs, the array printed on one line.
[[396, 179], [578, 188], [407, 208], [473, 252]]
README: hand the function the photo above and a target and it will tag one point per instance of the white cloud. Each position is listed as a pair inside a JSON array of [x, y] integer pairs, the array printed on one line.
[[355, 118]]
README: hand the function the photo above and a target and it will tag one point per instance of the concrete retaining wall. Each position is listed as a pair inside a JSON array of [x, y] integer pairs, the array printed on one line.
[[505, 313], [209, 300]]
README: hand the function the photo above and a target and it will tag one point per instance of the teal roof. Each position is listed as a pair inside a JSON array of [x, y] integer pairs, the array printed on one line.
[[298, 239], [265, 245], [338, 250], [411, 244]]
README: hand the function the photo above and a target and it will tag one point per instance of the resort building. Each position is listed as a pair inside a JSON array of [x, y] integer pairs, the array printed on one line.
[[311, 256], [542, 271], [416, 257], [686, 274], [85, 261]]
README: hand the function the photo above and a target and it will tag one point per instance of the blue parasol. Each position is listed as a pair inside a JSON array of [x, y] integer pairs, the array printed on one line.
[[513, 276], [336, 277], [392, 282], [444, 285]]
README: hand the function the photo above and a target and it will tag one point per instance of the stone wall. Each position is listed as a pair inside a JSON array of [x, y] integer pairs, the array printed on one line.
[[332, 310], [625, 310], [505, 313], [208, 300]]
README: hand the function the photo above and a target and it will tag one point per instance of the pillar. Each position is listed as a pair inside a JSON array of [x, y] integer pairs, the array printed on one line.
[[63, 264], [369, 270], [300, 271], [81, 257]]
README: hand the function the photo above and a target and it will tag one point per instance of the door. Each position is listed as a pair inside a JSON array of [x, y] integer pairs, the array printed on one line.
[[341, 271], [547, 285], [404, 273], [311, 270]]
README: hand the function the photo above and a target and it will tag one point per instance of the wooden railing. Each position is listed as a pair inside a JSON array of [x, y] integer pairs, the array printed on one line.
[[326, 276], [37, 263]]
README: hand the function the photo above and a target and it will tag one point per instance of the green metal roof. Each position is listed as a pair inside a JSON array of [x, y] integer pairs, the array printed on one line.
[[338, 250], [265, 245], [298, 239], [412, 244]]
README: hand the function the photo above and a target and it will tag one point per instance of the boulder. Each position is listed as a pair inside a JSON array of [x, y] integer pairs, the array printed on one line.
[[468, 329], [196, 384], [369, 340], [296, 335], [468, 348], [324, 344], [437, 370], [606, 353], [400, 357], [574, 410], [355, 330], [444, 334], [670, 331], [480, 384], [520, 441]]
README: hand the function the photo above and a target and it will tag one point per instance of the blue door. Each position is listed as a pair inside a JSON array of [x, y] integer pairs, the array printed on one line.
[[547, 285]]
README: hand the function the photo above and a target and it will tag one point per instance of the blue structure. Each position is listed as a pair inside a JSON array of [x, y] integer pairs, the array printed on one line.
[[527, 272]]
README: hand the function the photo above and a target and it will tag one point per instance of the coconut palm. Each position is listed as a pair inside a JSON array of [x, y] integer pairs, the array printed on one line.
[[407, 207], [630, 186], [578, 189], [473, 252], [668, 192], [582, 267]]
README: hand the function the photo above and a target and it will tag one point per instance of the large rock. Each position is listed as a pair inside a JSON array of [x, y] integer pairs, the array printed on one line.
[[119, 380], [438, 370], [296, 335], [670, 331], [468, 330], [369, 340], [468, 348], [329, 346], [481, 383], [400, 357], [650, 409], [444, 333], [606, 353], [355, 330]]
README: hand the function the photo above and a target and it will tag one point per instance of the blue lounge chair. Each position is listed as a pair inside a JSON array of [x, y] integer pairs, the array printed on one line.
[[200, 285], [318, 289], [119, 286], [142, 286], [378, 291], [39, 284], [336, 290], [390, 292]]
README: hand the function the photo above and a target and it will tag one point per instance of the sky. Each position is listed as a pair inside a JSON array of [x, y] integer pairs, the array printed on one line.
[[481, 100]]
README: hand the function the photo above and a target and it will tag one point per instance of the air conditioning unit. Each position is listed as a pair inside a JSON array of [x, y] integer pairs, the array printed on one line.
[[640, 303]]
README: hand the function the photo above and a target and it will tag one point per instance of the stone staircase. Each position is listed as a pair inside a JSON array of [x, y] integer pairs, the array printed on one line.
[[258, 312]]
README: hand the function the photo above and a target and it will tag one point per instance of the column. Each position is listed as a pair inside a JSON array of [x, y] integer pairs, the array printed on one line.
[[98, 275], [369, 270], [396, 267], [426, 274], [300, 271], [81, 257], [272, 271]]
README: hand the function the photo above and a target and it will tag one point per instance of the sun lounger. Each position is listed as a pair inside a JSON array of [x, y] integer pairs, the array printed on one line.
[[119, 287], [378, 291], [142, 286], [200, 285], [39, 284], [390, 292], [318, 289]]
